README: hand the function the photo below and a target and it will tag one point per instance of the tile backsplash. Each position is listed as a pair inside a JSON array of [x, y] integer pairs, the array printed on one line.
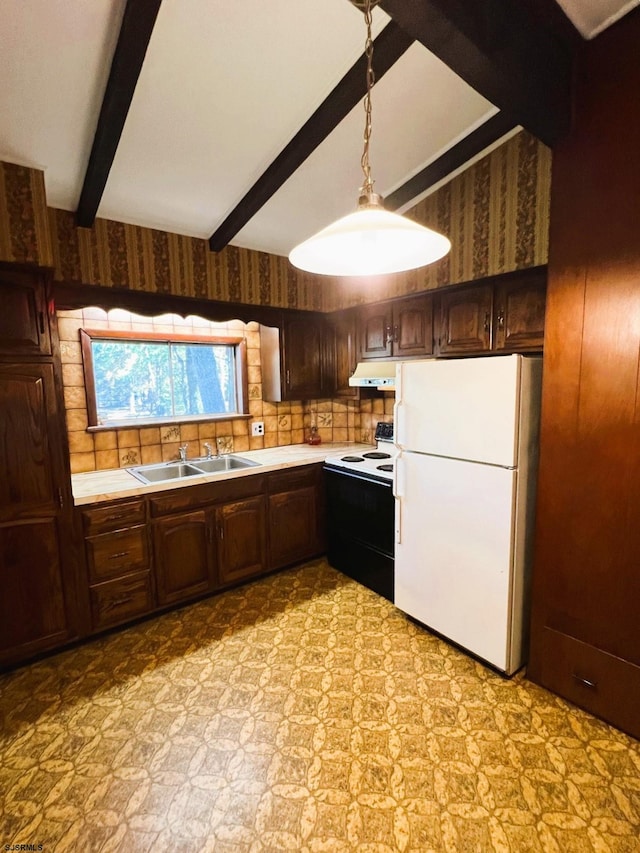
[[284, 423]]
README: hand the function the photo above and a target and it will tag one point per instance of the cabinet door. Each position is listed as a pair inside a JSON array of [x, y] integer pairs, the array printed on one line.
[[31, 446], [183, 553], [413, 327], [241, 529], [465, 321], [303, 357], [24, 321], [519, 315], [33, 614], [345, 328], [376, 331], [293, 526]]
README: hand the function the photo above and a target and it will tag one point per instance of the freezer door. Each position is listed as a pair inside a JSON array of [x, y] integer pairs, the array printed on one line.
[[464, 408], [454, 561]]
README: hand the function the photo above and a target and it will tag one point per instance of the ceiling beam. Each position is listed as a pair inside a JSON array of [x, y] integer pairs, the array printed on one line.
[[502, 51], [388, 48], [135, 33], [458, 155]]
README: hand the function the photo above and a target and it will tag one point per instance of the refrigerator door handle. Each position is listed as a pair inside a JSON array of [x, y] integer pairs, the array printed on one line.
[[398, 488]]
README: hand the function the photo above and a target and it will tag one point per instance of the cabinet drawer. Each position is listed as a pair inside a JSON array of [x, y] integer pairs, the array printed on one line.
[[113, 516], [284, 481], [120, 600], [110, 555], [593, 679]]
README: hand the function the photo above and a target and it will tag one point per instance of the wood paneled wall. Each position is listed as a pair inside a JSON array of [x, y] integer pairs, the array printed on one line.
[[586, 578]]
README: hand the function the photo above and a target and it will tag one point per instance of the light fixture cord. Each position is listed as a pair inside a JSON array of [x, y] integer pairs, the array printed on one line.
[[367, 187]]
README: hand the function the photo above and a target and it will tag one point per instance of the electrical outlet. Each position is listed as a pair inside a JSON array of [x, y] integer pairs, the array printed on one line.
[[257, 428]]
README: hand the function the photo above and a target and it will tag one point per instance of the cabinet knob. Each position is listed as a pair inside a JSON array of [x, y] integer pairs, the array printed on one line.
[[486, 322], [501, 318]]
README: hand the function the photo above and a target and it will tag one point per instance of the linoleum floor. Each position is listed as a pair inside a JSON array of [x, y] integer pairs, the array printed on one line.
[[302, 712]]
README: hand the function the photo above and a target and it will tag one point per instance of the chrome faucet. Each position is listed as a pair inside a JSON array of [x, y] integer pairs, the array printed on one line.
[[182, 452], [209, 450]]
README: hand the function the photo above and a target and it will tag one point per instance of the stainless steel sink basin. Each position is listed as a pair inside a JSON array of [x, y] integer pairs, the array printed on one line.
[[220, 464], [164, 471]]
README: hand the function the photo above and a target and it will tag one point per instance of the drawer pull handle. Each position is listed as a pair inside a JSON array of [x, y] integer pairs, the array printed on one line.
[[118, 602], [118, 555], [585, 682]]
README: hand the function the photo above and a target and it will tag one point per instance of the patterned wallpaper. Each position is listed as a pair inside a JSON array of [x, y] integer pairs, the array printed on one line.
[[113, 254], [496, 214], [24, 230]]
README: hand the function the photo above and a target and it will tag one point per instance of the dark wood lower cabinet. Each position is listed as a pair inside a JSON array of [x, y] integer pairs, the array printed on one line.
[[33, 610], [241, 539], [184, 556], [141, 555], [121, 600], [293, 526], [296, 515]]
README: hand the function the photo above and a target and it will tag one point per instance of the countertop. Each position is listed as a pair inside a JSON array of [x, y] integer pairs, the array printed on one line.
[[96, 486]]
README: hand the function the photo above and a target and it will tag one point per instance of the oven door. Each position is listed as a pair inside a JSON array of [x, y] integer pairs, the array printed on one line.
[[360, 528]]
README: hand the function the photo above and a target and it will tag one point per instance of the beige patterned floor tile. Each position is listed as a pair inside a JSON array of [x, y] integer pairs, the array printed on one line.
[[302, 713]]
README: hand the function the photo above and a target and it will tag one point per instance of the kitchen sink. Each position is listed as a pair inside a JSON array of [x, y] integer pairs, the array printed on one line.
[[223, 463], [162, 472]]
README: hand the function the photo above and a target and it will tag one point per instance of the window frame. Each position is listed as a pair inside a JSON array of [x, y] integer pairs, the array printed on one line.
[[239, 342]]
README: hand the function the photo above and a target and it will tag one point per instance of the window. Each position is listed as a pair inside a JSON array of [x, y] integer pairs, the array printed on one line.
[[134, 378]]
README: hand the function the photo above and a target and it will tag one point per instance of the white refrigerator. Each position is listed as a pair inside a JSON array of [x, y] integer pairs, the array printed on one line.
[[467, 437]]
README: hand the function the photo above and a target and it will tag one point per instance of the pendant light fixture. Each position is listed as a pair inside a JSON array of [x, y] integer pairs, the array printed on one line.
[[372, 240]]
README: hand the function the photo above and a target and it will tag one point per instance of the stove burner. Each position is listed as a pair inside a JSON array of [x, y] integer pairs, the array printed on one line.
[[388, 466], [352, 459], [377, 454]]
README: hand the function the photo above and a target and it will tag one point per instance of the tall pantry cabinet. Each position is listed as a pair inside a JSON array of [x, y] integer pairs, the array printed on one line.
[[37, 597], [585, 639]]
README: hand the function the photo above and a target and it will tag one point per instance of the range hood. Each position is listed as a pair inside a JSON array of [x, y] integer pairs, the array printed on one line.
[[375, 374]]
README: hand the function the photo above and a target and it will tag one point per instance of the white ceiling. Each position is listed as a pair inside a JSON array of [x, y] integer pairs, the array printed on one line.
[[225, 85]]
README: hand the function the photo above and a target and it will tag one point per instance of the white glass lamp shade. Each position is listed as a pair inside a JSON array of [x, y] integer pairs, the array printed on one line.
[[371, 241]]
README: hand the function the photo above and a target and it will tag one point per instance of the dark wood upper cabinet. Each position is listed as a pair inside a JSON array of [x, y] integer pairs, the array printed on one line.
[[413, 327], [376, 331], [465, 320], [297, 357], [304, 349], [401, 329], [519, 308], [24, 318], [345, 341]]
